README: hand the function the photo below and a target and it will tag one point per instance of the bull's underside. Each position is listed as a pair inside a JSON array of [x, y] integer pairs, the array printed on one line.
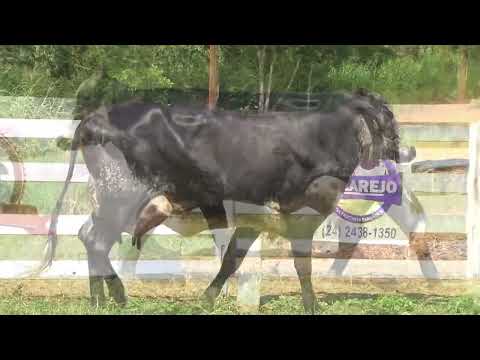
[[149, 163]]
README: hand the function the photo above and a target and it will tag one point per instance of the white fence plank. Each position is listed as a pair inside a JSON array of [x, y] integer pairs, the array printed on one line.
[[37, 128], [45, 172], [473, 204], [168, 269], [69, 224], [436, 182], [12, 224], [15, 224], [52, 128], [57, 172]]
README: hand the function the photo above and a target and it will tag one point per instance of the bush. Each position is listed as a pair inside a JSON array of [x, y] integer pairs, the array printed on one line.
[[427, 75]]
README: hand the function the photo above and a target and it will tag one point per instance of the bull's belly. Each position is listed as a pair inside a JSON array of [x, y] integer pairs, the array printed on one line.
[[260, 190]]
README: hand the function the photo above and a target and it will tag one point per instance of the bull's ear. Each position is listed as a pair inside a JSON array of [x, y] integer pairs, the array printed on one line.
[[374, 122], [364, 137], [369, 114]]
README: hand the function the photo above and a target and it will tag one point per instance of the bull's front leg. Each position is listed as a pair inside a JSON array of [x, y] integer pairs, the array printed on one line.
[[322, 195], [230, 264], [217, 222], [302, 252], [299, 231]]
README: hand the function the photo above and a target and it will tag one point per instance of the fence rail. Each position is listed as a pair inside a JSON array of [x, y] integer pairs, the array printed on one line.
[[429, 186]]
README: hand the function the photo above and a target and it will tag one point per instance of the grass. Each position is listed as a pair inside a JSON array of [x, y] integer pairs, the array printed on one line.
[[36, 107], [280, 305], [40, 150]]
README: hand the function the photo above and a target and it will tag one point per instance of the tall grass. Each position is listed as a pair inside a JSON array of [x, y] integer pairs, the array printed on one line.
[[430, 78]]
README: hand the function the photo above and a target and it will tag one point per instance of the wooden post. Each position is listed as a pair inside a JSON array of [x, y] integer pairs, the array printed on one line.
[[223, 237], [473, 203], [250, 276], [213, 83], [463, 75]]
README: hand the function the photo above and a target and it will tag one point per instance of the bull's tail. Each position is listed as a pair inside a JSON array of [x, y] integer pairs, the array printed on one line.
[[50, 247]]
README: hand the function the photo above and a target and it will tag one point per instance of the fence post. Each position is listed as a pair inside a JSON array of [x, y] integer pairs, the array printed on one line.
[[473, 203], [250, 276], [222, 238]]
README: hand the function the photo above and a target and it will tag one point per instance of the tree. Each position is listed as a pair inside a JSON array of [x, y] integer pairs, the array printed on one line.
[[462, 72], [213, 83]]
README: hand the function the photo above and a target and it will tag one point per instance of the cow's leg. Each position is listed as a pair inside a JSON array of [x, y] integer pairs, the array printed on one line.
[[322, 195], [301, 245], [98, 244], [152, 215], [120, 198], [116, 289], [302, 252], [216, 218], [230, 264], [97, 293]]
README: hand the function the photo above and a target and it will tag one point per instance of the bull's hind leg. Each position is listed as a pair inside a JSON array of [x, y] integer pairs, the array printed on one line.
[[97, 292], [159, 209], [98, 245], [151, 216]]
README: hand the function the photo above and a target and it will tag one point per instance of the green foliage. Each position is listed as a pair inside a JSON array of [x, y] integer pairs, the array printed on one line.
[[149, 77], [427, 78], [362, 304], [416, 73]]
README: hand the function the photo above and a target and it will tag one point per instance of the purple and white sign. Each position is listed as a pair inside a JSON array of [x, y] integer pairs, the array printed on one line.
[[385, 189]]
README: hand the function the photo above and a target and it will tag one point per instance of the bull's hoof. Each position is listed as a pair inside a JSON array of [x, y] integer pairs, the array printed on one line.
[[210, 296], [121, 302], [116, 290], [310, 310], [137, 242], [120, 299], [310, 304], [97, 302], [97, 293]]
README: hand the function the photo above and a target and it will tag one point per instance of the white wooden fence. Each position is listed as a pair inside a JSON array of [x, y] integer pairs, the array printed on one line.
[[401, 266]]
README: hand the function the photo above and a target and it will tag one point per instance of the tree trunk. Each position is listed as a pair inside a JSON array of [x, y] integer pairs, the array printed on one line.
[[297, 65], [261, 77], [309, 90], [269, 86], [213, 78], [462, 75]]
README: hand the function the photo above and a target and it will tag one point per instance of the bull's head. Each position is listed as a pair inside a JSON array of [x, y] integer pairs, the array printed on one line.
[[382, 125]]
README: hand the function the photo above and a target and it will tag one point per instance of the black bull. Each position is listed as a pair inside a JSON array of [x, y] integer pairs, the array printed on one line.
[[149, 162]]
